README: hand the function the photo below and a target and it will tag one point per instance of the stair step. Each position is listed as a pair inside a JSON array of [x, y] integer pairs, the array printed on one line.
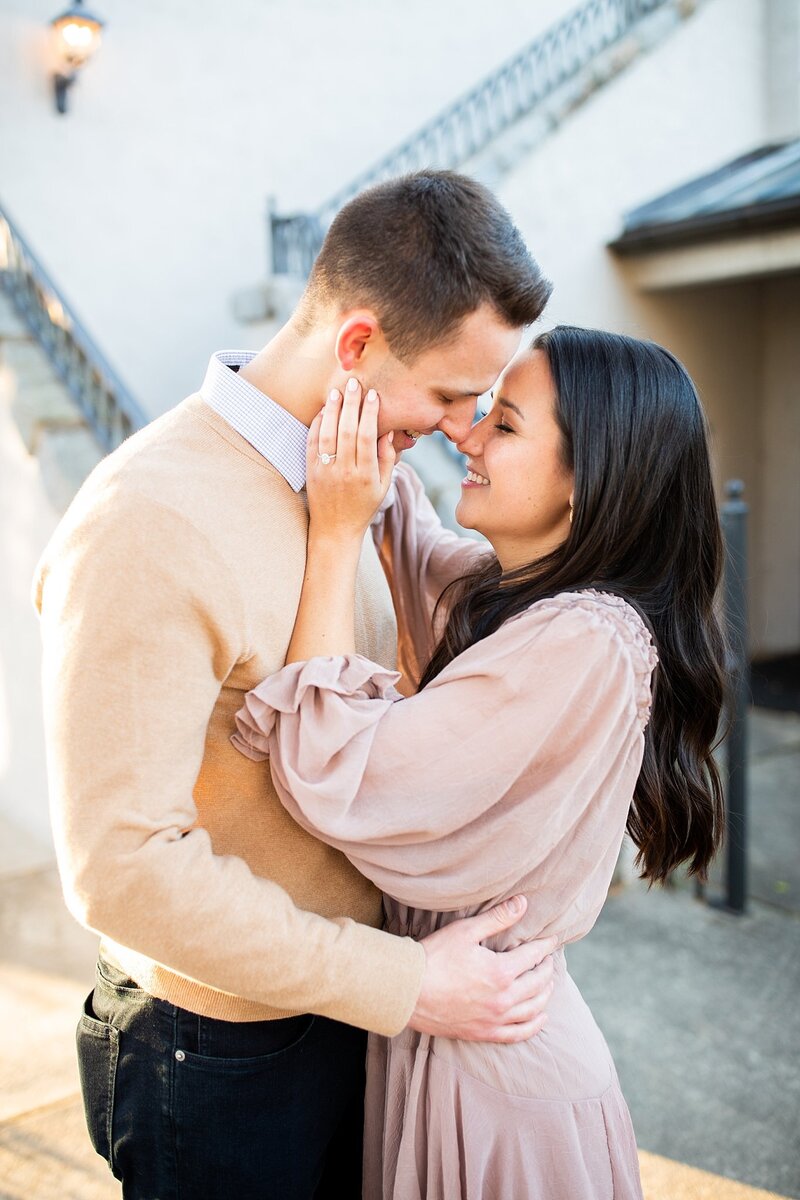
[[66, 457], [11, 324], [50, 424], [37, 407], [27, 361]]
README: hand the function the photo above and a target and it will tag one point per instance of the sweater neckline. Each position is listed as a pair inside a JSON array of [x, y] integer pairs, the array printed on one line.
[[197, 407]]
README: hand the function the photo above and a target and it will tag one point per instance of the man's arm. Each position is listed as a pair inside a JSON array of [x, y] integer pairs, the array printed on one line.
[[139, 623], [139, 620]]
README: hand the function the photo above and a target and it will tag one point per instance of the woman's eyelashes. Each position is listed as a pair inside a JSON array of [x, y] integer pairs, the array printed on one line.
[[500, 424]]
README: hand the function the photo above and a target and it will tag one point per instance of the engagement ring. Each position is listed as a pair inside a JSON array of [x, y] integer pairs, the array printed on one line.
[[326, 458]]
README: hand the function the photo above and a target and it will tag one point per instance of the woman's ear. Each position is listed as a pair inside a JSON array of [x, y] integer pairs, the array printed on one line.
[[357, 331]]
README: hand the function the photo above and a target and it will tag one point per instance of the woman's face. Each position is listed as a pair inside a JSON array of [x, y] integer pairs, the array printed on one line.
[[521, 496]]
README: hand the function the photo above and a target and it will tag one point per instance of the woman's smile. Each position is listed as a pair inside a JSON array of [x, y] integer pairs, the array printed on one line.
[[474, 479]]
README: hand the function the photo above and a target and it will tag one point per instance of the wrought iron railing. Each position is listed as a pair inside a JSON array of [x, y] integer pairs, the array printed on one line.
[[468, 125], [109, 408]]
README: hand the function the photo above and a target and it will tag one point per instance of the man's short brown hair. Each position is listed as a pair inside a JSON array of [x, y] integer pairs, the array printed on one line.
[[423, 251]]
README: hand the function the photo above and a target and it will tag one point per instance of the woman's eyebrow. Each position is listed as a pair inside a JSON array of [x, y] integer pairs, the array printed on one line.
[[507, 404]]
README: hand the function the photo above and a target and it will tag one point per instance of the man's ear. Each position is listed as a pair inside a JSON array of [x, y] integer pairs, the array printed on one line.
[[358, 330]]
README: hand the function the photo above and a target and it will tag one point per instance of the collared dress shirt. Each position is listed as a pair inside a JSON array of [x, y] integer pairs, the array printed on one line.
[[269, 429]]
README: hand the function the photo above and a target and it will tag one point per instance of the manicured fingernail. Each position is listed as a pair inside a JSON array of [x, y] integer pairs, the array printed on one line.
[[333, 394], [372, 396], [352, 384], [391, 435], [515, 905]]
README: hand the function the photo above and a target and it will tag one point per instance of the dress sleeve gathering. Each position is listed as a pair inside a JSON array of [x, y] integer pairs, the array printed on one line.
[[420, 558], [444, 799]]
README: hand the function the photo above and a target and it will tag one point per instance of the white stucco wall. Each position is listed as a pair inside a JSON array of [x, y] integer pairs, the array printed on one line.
[[146, 201], [782, 67], [692, 104], [697, 101]]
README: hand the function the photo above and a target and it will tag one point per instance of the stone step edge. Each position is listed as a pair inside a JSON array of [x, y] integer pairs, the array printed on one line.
[[50, 424]]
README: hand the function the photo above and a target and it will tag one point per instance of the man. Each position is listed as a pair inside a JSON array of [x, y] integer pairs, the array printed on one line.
[[241, 961]]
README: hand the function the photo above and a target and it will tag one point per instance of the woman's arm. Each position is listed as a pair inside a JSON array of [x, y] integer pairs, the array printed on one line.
[[418, 551], [325, 624], [445, 799], [420, 558], [343, 495]]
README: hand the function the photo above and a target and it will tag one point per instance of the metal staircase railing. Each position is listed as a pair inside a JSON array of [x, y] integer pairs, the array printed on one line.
[[107, 405], [469, 124], [462, 130]]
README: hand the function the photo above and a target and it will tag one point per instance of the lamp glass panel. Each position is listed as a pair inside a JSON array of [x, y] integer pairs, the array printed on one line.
[[78, 39]]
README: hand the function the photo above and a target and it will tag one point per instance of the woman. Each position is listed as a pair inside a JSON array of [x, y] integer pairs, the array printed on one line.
[[530, 742]]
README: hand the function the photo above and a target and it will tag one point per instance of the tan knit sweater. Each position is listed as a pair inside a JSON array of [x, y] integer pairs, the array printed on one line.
[[167, 592]]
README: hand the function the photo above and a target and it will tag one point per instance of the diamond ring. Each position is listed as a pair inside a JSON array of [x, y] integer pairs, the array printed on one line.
[[326, 458]]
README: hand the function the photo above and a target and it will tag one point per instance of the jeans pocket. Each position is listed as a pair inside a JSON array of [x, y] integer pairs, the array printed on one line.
[[226, 1043], [98, 1053], [246, 1124]]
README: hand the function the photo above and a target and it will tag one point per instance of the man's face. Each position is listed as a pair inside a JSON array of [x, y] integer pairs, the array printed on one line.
[[440, 388]]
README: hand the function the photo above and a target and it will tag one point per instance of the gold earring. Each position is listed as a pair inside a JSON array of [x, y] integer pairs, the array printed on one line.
[[571, 511]]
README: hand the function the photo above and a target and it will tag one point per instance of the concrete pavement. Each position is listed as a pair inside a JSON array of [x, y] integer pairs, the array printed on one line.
[[700, 1009], [46, 968]]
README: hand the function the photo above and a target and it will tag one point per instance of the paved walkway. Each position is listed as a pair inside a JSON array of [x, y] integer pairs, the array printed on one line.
[[700, 1009]]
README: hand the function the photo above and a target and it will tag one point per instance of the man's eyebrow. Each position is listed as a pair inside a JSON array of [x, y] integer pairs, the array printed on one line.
[[507, 404]]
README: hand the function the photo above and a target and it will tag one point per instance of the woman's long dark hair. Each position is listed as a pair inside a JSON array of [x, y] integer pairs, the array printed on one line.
[[645, 526]]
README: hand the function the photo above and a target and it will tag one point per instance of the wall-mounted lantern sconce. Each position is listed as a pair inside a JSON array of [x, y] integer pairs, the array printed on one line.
[[78, 35]]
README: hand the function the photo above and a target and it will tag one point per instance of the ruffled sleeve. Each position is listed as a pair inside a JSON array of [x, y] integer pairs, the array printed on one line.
[[446, 798], [420, 558]]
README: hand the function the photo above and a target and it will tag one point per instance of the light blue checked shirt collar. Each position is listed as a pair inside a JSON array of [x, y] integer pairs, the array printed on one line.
[[278, 436]]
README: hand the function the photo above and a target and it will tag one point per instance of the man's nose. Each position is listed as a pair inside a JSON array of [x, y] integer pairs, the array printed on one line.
[[471, 444], [456, 425]]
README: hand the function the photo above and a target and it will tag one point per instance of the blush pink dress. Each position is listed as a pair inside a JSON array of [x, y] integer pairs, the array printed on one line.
[[513, 771]]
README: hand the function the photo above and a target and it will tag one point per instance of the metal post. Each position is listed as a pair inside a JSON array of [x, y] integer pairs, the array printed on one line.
[[734, 527]]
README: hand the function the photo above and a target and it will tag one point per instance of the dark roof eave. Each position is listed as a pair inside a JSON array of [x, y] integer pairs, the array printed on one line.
[[784, 213]]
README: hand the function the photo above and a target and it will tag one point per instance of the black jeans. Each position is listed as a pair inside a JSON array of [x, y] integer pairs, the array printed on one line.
[[183, 1107]]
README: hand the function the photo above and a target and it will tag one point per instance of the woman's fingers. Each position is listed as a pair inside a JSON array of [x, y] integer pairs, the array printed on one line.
[[313, 442], [348, 424], [387, 457], [314, 430], [329, 423], [375, 454], [367, 440], [345, 437]]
